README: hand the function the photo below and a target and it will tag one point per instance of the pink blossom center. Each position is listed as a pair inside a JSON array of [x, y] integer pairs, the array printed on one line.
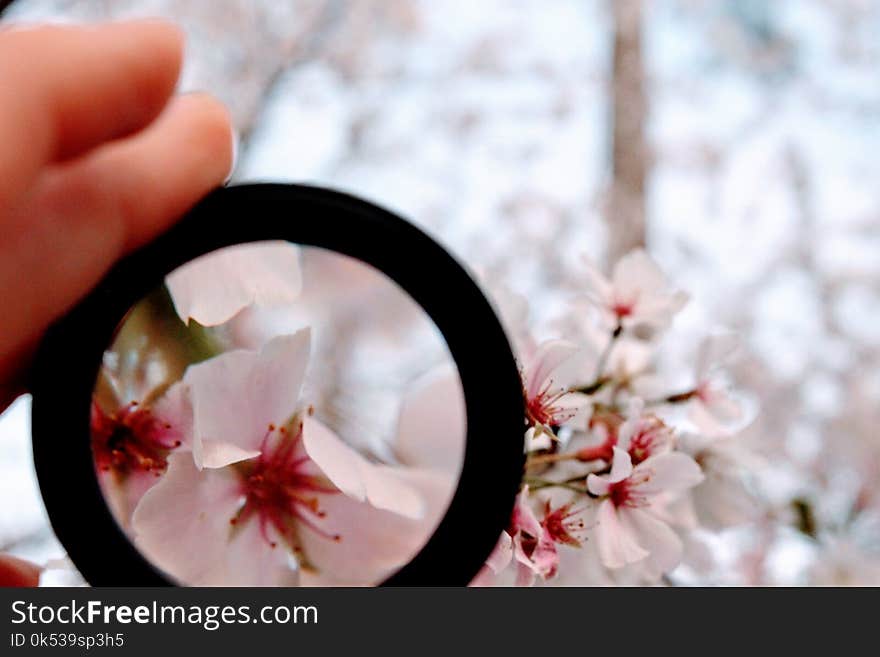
[[281, 489], [626, 493], [623, 308], [544, 407], [650, 436], [132, 439], [563, 524]]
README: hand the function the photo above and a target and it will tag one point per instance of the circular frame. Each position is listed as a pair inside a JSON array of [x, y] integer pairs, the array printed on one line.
[[69, 357]]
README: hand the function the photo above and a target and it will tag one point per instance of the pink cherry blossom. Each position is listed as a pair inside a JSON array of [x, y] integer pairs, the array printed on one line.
[[270, 493], [532, 544], [637, 294], [642, 435], [533, 548], [714, 408], [547, 381], [131, 446], [215, 287], [628, 531]]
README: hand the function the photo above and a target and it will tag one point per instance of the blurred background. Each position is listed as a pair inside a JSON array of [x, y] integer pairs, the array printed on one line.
[[736, 139]]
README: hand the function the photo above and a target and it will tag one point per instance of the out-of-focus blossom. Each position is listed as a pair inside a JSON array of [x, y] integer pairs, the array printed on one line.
[[533, 548], [547, 381], [432, 427], [627, 529], [215, 287], [532, 544], [638, 293], [526, 543], [714, 408], [723, 498], [842, 562], [269, 491], [513, 311]]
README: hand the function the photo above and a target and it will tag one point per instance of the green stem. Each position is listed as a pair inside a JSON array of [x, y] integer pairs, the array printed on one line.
[[536, 483]]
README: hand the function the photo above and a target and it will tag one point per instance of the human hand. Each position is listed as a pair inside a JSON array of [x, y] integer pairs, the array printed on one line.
[[98, 157]]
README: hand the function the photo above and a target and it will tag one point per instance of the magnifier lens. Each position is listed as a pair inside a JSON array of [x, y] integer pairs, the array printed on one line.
[[275, 414]]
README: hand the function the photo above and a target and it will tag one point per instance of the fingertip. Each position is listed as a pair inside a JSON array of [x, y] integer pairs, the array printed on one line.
[[18, 572], [158, 72], [166, 38], [211, 134]]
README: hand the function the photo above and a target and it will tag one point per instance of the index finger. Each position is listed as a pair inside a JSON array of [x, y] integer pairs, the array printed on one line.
[[67, 89]]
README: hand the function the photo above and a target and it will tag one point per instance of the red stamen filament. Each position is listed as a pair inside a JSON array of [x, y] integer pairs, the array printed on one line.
[[131, 439], [543, 408], [280, 489]]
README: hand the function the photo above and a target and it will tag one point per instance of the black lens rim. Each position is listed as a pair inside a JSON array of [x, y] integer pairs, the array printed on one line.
[[67, 362]]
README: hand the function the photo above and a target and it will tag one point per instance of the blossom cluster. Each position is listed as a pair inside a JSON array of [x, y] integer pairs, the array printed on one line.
[[621, 471], [216, 462]]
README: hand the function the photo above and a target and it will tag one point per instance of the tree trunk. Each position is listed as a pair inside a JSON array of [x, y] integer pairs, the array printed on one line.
[[626, 208]]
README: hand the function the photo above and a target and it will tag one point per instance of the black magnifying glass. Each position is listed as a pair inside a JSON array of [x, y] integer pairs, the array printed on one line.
[[291, 386]]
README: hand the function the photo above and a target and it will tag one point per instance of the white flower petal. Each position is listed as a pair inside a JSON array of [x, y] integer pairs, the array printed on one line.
[[357, 477], [276, 381], [373, 543], [431, 428], [182, 523], [621, 466], [598, 287], [669, 471], [615, 541], [663, 544], [220, 403], [715, 350], [598, 484], [545, 367], [502, 554], [251, 560], [215, 287], [637, 274], [238, 395], [212, 454]]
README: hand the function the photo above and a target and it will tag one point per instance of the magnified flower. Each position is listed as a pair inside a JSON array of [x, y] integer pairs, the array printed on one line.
[[627, 529], [215, 287], [131, 446], [547, 381], [269, 491], [637, 295]]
